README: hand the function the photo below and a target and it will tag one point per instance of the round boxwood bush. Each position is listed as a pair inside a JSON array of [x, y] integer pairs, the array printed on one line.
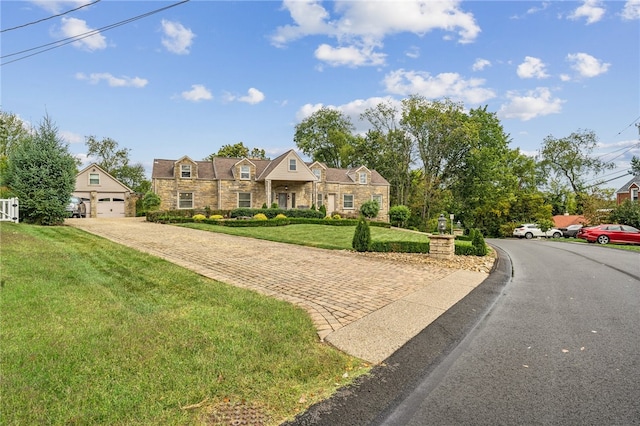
[[260, 216]]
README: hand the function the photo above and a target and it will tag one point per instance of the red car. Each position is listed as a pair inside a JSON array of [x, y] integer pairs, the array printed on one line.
[[604, 234]]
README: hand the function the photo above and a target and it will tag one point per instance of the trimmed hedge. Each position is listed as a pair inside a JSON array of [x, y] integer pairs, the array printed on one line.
[[399, 247], [272, 213]]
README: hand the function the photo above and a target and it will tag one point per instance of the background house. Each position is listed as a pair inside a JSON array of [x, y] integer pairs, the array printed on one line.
[[629, 191], [288, 181], [103, 194]]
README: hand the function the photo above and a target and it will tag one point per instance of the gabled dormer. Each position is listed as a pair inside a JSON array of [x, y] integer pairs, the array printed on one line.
[[319, 170], [360, 175], [244, 169], [185, 168]]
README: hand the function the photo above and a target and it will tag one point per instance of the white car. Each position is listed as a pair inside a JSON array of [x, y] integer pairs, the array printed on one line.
[[530, 230]]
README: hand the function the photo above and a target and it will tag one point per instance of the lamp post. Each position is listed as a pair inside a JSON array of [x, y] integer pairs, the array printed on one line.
[[442, 224]]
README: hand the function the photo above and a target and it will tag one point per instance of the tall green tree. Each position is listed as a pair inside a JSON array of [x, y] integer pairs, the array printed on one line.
[[42, 173], [443, 136], [238, 150], [115, 161], [387, 149], [327, 136], [12, 131], [568, 162], [635, 166]]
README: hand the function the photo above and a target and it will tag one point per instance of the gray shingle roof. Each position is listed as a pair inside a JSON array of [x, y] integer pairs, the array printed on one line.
[[627, 186]]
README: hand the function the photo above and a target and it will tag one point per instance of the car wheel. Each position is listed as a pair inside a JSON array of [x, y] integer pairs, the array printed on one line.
[[556, 235], [528, 235], [603, 239]]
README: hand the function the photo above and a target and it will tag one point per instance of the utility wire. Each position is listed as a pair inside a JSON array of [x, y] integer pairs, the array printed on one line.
[[78, 37], [50, 17], [632, 123]]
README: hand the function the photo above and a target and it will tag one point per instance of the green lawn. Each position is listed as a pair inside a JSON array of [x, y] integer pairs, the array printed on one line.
[[323, 236], [92, 332]]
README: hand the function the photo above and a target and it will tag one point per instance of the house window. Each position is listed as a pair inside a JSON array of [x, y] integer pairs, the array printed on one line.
[[363, 178], [319, 200], [94, 179], [293, 165], [318, 173], [347, 201], [185, 170], [244, 172], [378, 199], [634, 194], [244, 199], [185, 200]]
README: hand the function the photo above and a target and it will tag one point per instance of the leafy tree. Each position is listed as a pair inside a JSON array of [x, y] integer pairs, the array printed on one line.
[[627, 213], [478, 243], [326, 136], [151, 201], [568, 161], [635, 166], [238, 150], [596, 203], [370, 209], [443, 136], [388, 149], [115, 161], [42, 173], [399, 215], [362, 236], [12, 131]]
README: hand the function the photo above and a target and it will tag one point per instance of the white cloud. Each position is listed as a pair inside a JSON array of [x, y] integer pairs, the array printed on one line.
[[535, 103], [124, 81], [73, 27], [71, 137], [351, 56], [254, 96], [413, 52], [361, 26], [532, 68], [177, 39], [591, 10], [631, 10], [452, 85], [58, 6], [480, 64], [197, 93], [586, 65]]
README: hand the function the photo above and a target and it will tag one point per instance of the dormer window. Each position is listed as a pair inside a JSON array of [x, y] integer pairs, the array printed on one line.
[[185, 170], [245, 172], [293, 165], [317, 173], [634, 194], [362, 177]]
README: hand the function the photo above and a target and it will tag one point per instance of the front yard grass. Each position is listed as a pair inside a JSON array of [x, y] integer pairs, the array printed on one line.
[[92, 332], [322, 236]]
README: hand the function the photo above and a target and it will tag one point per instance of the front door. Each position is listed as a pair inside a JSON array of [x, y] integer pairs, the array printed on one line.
[[331, 203], [282, 200]]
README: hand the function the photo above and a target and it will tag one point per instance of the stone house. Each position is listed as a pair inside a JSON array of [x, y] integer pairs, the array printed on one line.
[[288, 181], [629, 191], [104, 195]]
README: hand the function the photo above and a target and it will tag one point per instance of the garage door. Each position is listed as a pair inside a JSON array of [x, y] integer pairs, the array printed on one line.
[[110, 205]]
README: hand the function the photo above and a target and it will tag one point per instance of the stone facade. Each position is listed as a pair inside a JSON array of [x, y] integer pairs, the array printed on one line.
[[289, 182]]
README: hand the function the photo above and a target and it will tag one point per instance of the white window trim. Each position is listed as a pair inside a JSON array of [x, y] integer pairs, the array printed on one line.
[[318, 174], [242, 173], [634, 194], [293, 162], [182, 171], [362, 178], [192, 200], [94, 174], [378, 198], [250, 199], [353, 202]]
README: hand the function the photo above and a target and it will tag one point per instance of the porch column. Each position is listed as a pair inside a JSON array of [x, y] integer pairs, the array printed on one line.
[[267, 188]]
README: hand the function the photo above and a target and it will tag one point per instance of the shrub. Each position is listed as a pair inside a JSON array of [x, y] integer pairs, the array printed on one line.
[[199, 217], [216, 217], [260, 216], [478, 243], [264, 205], [362, 237], [323, 210], [336, 216], [399, 215], [151, 201], [627, 213], [399, 247], [370, 209], [274, 205], [280, 216]]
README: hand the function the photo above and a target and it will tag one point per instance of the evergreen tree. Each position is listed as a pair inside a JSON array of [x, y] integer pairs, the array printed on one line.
[[362, 236], [42, 174]]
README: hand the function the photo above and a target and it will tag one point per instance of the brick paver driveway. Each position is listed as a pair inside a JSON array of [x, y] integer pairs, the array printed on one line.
[[334, 287]]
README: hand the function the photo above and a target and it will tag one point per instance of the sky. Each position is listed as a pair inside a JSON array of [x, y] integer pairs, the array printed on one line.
[[167, 79]]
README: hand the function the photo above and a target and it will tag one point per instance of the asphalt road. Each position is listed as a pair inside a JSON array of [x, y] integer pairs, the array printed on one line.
[[556, 343]]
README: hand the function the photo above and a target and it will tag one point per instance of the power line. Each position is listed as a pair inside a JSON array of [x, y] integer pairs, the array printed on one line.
[[632, 123], [63, 42], [50, 17]]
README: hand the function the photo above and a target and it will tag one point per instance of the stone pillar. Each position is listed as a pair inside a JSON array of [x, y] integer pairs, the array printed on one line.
[[442, 246]]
